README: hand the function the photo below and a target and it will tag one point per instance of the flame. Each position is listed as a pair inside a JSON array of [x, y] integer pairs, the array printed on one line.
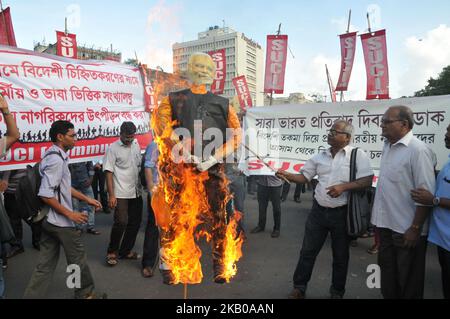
[[233, 247], [187, 210]]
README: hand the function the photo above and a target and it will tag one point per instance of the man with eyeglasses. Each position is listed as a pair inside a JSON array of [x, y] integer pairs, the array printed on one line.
[[406, 164], [58, 228], [328, 214]]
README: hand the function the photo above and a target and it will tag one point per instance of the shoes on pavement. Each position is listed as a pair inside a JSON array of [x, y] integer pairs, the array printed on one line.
[[147, 272], [275, 234], [93, 231], [168, 277], [373, 250], [296, 294], [257, 229], [15, 250], [36, 245]]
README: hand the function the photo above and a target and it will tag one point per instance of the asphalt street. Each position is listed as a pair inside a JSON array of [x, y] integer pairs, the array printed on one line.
[[264, 272]]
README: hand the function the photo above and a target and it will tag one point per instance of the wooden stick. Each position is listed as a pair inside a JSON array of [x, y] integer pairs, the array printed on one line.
[[267, 165], [185, 292]]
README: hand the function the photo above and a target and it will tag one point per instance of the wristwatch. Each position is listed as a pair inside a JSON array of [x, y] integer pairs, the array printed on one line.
[[436, 201]]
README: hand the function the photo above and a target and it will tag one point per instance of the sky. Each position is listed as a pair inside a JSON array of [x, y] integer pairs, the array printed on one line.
[[418, 33]]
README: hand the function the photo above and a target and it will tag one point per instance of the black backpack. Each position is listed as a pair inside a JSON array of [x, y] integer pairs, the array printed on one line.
[[142, 172], [28, 189]]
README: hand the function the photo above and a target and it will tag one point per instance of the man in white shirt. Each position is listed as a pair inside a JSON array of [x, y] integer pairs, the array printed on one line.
[[121, 164], [406, 164], [328, 214]]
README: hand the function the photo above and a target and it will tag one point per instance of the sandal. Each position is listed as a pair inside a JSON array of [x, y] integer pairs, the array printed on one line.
[[111, 260], [131, 256]]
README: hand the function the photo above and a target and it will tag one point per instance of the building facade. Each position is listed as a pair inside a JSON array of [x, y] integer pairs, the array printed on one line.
[[243, 56], [83, 53]]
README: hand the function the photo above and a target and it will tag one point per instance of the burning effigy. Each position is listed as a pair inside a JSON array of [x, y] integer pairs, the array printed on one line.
[[195, 131]]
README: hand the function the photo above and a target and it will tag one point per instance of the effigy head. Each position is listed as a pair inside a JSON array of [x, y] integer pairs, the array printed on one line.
[[201, 69]]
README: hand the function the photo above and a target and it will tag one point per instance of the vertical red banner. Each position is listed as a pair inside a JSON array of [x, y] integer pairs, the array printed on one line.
[[66, 45], [245, 98], [276, 57], [7, 36], [149, 93], [348, 49], [219, 57], [375, 56]]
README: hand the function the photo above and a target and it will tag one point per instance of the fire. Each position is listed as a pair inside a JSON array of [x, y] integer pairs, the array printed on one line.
[[233, 247], [186, 216]]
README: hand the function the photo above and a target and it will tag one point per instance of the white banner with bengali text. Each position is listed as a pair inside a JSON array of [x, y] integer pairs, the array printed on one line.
[[96, 96], [286, 136]]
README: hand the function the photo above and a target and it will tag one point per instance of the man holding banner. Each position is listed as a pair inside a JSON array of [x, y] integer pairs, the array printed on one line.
[[328, 214]]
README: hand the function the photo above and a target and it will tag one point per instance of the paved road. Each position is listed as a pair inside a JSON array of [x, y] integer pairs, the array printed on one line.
[[265, 270]]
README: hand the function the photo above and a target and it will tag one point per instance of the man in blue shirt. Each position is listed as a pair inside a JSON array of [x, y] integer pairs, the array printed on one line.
[[440, 220], [58, 229], [151, 242]]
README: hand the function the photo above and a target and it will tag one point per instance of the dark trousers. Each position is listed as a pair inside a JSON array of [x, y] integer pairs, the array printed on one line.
[[13, 209], [151, 239], [237, 189], [402, 269], [299, 188], [53, 238], [98, 186], [322, 221], [127, 220], [266, 194], [444, 260]]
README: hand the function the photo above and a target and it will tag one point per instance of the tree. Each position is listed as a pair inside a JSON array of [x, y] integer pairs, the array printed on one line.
[[439, 86]]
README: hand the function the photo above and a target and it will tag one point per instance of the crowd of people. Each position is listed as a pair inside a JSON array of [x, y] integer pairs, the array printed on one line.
[[411, 205]]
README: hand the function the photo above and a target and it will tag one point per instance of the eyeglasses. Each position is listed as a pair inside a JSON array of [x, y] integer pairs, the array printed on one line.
[[387, 122], [72, 135], [333, 132]]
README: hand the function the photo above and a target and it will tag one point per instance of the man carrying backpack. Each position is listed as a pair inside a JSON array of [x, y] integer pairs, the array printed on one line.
[[58, 229]]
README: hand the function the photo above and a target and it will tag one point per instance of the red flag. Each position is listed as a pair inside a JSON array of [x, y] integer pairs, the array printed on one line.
[[276, 57], [7, 36], [375, 55], [66, 45], [149, 93], [348, 48], [240, 83], [219, 57]]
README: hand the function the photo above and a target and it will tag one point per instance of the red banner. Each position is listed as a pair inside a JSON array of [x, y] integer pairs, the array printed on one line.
[[348, 49], [245, 98], [7, 36], [219, 57], [149, 93], [66, 45], [276, 57], [375, 55]]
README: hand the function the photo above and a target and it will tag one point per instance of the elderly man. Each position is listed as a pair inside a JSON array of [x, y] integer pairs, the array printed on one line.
[[328, 214], [196, 110], [440, 219], [406, 164]]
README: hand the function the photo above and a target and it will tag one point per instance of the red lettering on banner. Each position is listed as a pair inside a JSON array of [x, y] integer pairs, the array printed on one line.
[[66, 45], [245, 99], [275, 63], [375, 56], [219, 57], [348, 49]]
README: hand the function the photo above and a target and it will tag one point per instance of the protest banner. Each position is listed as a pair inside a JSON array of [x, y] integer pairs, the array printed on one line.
[[96, 96], [286, 136]]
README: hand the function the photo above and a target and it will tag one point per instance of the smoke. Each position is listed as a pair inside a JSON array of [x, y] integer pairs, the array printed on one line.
[[163, 30]]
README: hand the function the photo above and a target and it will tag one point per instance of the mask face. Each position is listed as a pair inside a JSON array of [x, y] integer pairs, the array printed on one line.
[[201, 70]]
